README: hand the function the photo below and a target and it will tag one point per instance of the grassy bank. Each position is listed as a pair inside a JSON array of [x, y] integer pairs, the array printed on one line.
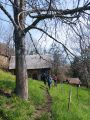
[[14, 108], [79, 107]]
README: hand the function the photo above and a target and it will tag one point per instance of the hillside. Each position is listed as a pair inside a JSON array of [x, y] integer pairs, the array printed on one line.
[[41, 105], [79, 106], [12, 107]]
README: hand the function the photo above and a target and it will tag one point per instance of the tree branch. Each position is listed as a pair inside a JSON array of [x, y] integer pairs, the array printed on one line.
[[11, 2], [8, 15], [66, 11], [32, 25], [54, 40], [37, 49], [56, 14]]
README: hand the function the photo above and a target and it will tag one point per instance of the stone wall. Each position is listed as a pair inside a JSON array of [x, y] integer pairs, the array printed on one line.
[[4, 62]]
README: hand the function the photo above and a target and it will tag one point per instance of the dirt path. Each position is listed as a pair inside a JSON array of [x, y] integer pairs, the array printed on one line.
[[44, 111]]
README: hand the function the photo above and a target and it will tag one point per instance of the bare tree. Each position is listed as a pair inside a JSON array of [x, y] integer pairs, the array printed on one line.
[[81, 64], [40, 12]]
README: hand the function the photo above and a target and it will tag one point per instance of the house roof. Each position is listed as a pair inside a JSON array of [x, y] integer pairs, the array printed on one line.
[[74, 81], [34, 62]]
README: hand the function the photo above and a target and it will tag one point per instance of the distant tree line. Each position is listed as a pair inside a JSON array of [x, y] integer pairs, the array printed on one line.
[[81, 67]]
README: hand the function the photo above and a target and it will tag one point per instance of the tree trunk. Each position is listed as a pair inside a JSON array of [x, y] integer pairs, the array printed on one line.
[[19, 39], [21, 70]]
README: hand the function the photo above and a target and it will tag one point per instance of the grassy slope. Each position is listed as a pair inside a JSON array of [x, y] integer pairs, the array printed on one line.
[[14, 108], [79, 110]]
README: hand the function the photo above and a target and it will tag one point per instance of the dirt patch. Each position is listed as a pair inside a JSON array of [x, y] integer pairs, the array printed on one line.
[[3, 93]]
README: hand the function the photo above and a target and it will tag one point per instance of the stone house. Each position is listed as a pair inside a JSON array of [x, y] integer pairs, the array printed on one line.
[[4, 56], [5, 53], [36, 65]]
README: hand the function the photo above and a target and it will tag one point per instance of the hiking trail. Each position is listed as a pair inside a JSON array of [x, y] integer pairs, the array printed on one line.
[[44, 110]]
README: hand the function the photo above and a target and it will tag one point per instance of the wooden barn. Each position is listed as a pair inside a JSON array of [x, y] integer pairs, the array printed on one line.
[[36, 65], [74, 81]]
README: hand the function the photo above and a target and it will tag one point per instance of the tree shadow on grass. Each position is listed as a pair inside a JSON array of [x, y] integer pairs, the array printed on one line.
[[43, 87], [2, 115], [6, 86], [3, 93]]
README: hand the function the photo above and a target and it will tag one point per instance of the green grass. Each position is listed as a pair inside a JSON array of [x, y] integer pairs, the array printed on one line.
[[79, 108], [7, 81], [36, 92], [14, 108]]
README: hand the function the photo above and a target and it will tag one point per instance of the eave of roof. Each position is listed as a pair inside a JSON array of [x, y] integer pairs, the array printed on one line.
[[34, 62]]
